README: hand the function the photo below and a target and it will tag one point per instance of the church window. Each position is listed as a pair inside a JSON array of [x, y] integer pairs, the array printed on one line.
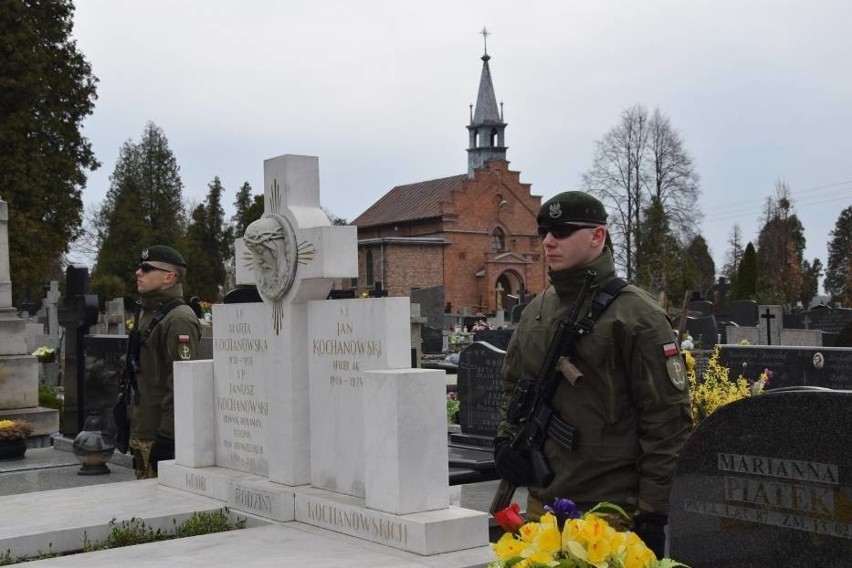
[[493, 140], [498, 239], [369, 271]]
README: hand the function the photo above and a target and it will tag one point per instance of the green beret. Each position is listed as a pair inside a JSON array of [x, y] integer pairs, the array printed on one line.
[[572, 207], [162, 253]]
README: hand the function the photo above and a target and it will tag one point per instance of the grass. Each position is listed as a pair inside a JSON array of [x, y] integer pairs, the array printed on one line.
[[136, 531]]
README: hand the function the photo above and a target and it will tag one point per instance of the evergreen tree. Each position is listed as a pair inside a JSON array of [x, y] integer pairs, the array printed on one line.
[[699, 254], [207, 246], [734, 256], [651, 254], [746, 287], [838, 274], [811, 273], [47, 89], [143, 207], [248, 209]]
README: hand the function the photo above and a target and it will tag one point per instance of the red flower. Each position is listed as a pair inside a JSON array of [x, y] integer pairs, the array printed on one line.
[[510, 518]]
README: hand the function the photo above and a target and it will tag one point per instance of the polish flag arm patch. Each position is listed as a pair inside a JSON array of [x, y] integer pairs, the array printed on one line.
[[670, 349]]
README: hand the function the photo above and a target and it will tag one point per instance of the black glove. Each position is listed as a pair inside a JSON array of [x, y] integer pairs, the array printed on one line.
[[512, 465], [650, 528], [164, 449]]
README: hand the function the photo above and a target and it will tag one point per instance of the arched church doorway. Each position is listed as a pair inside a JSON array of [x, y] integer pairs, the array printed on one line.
[[507, 290]]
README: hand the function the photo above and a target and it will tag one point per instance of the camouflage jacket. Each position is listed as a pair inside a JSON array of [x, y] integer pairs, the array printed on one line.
[[631, 409]]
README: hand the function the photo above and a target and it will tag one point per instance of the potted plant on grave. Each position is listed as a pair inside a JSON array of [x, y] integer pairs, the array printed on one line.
[[13, 439]]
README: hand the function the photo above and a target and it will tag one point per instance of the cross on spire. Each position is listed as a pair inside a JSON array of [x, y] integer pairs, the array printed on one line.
[[485, 35]]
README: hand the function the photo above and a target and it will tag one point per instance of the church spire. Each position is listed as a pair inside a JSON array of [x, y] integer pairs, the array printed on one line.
[[486, 125]]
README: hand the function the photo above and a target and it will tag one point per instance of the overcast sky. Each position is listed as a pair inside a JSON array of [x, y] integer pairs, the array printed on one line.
[[379, 90]]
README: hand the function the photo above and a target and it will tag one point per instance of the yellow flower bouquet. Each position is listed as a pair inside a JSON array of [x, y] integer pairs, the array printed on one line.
[[14, 430], [564, 538]]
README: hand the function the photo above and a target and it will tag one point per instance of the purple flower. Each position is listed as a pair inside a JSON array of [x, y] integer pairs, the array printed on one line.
[[452, 395], [563, 509]]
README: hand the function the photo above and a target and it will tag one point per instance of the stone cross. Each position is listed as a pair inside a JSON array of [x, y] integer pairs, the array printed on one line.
[[722, 289], [51, 307], [78, 312], [292, 254], [770, 332]]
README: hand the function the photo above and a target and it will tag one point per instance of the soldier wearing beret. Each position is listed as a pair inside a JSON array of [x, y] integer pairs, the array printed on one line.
[[630, 411], [173, 337]]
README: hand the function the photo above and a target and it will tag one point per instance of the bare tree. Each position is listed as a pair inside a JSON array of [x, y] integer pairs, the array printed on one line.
[[616, 177], [640, 161], [672, 178]]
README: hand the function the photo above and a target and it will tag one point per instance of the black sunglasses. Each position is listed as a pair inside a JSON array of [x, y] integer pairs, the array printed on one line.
[[147, 267], [560, 232]]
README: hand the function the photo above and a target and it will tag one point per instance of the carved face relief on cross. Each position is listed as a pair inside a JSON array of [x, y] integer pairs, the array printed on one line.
[[271, 241]]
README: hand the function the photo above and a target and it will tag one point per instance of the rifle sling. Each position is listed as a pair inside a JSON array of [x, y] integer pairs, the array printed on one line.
[[556, 428], [160, 314]]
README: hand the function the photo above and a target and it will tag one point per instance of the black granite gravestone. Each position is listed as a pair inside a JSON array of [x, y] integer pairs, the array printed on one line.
[[829, 367], [104, 363], [767, 482], [243, 295], [78, 312], [431, 300], [703, 331], [701, 308], [479, 391], [498, 338], [825, 319], [744, 312], [517, 311]]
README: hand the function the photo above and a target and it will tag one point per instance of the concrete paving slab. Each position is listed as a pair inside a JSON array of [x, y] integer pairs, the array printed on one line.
[[47, 468], [261, 547]]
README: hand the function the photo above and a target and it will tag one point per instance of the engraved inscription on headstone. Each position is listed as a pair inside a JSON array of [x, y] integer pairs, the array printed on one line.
[[480, 388], [346, 338], [767, 481], [240, 351]]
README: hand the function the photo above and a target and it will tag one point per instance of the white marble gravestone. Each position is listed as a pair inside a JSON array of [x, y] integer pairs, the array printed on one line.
[[345, 339], [305, 390]]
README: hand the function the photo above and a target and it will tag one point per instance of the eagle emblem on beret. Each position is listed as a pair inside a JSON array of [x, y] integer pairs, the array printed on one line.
[[555, 210], [144, 254]]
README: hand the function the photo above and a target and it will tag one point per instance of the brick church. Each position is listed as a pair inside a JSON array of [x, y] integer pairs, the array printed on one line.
[[472, 233]]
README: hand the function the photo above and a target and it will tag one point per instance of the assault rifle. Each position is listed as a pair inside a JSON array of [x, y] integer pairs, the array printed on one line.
[[530, 407], [128, 390]]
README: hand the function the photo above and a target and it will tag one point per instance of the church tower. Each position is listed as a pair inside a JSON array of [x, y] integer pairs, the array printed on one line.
[[486, 122]]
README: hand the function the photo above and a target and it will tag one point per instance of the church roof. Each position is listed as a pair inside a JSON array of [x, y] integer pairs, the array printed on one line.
[[410, 202], [486, 102]]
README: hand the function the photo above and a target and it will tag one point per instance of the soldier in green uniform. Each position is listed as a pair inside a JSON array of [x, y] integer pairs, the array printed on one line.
[[630, 409], [173, 337]]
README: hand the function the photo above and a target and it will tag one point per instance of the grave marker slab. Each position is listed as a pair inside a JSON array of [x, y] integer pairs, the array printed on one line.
[[767, 482], [769, 326], [744, 312], [79, 311], [829, 367], [479, 391], [703, 331], [345, 339]]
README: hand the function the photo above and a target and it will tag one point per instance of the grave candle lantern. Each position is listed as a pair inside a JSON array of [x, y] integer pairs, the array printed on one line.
[[93, 446]]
